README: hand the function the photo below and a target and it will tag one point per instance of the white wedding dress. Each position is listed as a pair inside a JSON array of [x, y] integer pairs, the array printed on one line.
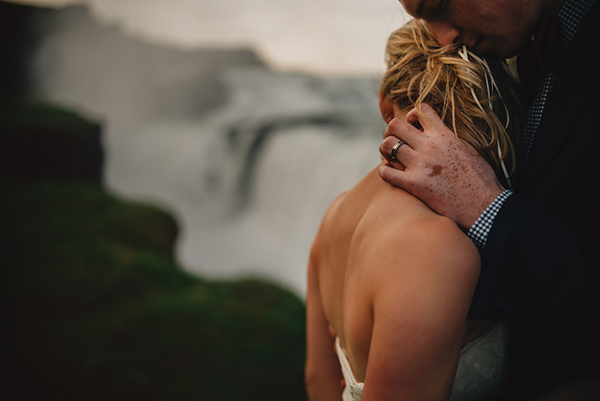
[[480, 376]]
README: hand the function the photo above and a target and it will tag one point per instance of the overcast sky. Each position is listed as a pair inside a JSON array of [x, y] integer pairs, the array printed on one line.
[[319, 36]]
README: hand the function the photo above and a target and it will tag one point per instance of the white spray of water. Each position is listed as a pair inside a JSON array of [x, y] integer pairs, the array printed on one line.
[[248, 176]]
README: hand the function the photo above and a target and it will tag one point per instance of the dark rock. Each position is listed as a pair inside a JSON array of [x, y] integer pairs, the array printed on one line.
[[41, 142]]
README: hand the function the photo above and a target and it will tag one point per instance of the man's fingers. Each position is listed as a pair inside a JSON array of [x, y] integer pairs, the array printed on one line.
[[424, 121], [401, 129], [392, 175], [385, 147], [395, 150]]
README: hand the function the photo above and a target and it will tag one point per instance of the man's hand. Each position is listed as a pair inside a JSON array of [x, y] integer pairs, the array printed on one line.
[[444, 172]]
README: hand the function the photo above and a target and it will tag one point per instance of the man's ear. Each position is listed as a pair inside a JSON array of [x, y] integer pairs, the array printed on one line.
[[386, 107]]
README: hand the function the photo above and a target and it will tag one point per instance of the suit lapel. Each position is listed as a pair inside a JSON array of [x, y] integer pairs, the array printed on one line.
[[575, 82]]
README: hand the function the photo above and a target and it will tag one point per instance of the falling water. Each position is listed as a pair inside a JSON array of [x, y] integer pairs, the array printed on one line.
[[246, 158]]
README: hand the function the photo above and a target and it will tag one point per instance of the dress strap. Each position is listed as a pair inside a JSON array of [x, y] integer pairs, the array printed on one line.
[[353, 390], [346, 371]]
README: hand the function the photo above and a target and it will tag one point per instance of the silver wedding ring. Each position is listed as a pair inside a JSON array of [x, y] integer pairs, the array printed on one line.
[[395, 149]]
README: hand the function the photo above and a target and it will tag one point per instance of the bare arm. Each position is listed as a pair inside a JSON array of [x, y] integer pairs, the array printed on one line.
[[322, 373], [444, 172]]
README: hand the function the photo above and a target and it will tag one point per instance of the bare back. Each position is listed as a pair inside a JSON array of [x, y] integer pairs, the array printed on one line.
[[394, 280]]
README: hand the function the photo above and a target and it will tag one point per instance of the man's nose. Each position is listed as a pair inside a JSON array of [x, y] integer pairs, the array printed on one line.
[[445, 33]]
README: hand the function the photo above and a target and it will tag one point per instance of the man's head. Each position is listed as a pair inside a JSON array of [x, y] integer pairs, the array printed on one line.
[[499, 27], [456, 85]]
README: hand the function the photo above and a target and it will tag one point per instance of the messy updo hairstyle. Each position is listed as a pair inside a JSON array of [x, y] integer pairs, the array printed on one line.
[[420, 71]]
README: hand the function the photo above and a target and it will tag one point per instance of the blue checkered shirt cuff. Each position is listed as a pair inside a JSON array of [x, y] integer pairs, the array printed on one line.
[[481, 229]]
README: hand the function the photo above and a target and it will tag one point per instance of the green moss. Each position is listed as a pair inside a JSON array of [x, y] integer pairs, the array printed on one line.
[[98, 309]]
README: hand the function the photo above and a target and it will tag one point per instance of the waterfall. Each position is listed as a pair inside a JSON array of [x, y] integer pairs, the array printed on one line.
[[247, 159]]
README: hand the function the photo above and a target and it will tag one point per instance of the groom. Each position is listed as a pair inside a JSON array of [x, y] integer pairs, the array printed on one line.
[[539, 244]]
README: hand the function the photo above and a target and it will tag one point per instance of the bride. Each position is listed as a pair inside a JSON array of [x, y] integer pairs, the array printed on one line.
[[389, 278]]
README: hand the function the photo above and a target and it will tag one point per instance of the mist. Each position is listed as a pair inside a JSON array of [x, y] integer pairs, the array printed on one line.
[[241, 134]]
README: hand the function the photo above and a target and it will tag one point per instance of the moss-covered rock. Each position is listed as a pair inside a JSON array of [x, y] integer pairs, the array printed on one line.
[[97, 309], [95, 305]]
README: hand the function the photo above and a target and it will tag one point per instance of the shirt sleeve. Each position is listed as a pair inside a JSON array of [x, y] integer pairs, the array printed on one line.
[[480, 230]]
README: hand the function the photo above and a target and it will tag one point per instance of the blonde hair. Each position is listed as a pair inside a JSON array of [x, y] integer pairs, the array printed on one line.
[[420, 71]]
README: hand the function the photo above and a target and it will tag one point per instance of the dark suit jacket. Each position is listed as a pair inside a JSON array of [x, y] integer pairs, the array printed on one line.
[[542, 256]]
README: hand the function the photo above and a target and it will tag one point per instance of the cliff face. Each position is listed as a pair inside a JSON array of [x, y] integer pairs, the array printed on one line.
[[96, 306]]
